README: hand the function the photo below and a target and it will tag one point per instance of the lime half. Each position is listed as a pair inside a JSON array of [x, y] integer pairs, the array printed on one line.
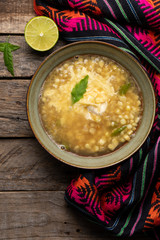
[[41, 33]]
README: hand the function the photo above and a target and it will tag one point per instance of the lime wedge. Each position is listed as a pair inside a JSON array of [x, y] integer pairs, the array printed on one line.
[[41, 33]]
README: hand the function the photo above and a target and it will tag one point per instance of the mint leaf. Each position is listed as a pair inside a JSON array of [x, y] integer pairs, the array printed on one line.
[[79, 89], [11, 46], [8, 59], [7, 49], [124, 88], [2, 47]]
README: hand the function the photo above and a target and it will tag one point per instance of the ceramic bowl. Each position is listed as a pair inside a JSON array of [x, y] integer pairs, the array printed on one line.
[[104, 49]]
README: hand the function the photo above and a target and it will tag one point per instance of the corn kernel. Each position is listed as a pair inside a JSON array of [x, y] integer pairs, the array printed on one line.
[[129, 126], [102, 141], [126, 137], [123, 121], [111, 147], [96, 148], [92, 130], [128, 108]]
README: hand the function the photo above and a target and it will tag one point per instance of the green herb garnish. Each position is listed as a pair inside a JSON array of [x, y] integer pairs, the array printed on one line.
[[7, 49], [8, 59], [117, 131], [79, 89], [124, 88], [11, 46]]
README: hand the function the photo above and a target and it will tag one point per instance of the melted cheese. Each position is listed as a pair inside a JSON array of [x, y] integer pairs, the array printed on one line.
[[94, 101]]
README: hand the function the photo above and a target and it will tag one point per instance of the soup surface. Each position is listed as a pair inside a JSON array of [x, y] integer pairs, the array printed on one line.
[[90, 105]]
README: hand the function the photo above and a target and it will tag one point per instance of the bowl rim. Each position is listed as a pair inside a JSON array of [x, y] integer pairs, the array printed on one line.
[[68, 46]]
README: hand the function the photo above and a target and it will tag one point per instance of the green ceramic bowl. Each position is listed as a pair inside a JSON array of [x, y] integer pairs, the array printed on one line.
[[91, 47]]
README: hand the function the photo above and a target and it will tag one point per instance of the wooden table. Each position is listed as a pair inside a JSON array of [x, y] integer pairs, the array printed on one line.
[[32, 183]]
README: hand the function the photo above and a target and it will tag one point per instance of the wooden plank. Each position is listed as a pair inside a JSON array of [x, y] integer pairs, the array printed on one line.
[[25, 165], [45, 215], [13, 116], [25, 60], [14, 15]]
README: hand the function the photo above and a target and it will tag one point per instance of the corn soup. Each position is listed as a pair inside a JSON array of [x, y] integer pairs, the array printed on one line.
[[90, 105]]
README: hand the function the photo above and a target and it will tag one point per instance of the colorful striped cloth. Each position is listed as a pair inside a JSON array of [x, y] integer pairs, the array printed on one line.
[[124, 198]]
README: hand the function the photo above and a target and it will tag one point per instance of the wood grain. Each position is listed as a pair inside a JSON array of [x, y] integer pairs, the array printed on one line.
[[14, 15], [13, 115], [25, 165], [25, 60], [45, 215]]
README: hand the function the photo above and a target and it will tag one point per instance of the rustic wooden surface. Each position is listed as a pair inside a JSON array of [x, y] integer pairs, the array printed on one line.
[[32, 183]]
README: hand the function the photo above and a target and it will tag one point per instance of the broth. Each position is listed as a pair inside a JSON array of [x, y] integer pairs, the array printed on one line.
[[104, 118]]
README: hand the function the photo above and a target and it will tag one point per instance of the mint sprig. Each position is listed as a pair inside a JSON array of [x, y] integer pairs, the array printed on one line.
[[8, 59], [11, 46], [79, 89], [7, 49]]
